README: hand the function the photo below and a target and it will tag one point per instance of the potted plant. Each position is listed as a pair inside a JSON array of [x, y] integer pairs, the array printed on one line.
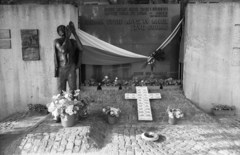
[[66, 106], [220, 110], [173, 115], [112, 114]]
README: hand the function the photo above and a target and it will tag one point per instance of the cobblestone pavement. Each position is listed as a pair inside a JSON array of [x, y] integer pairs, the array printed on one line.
[[197, 134], [94, 136], [12, 128]]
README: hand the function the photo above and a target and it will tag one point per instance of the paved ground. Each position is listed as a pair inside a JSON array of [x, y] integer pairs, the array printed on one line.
[[197, 134], [94, 136], [14, 127]]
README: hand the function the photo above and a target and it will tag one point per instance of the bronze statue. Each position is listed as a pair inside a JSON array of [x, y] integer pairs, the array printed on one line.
[[67, 57]]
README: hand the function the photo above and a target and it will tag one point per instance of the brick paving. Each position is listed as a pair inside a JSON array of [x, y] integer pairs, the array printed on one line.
[[94, 136], [14, 127]]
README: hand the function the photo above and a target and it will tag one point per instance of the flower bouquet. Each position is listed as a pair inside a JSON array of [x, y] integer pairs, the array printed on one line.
[[39, 108], [223, 110], [65, 105], [174, 114], [112, 114]]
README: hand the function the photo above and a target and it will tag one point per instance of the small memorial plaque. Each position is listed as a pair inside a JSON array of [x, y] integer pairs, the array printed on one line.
[[5, 44], [5, 34], [235, 56], [30, 46], [236, 35]]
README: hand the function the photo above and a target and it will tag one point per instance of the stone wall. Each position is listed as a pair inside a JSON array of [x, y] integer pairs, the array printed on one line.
[[23, 82], [212, 55]]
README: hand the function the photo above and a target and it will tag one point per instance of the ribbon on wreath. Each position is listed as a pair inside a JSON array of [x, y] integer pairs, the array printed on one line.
[[159, 53]]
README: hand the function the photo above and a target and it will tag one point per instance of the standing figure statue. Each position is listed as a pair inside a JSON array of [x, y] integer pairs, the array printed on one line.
[[67, 57]]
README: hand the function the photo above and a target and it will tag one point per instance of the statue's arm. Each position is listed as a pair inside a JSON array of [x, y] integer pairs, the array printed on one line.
[[79, 43]]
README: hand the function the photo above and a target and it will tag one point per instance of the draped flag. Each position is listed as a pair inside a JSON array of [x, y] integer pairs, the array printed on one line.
[[98, 52]]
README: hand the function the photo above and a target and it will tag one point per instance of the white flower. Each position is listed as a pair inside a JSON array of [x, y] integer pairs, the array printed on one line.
[[62, 101], [55, 97], [56, 112], [76, 93], [66, 95], [170, 114], [51, 107], [69, 110]]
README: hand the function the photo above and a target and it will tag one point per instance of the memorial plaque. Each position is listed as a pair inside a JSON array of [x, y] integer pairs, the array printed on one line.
[[236, 35], [5, 44], [137, 28], [5, 34], [30, 45], [236, 56]]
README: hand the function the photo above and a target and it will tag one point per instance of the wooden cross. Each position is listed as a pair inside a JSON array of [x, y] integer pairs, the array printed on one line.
[[143, 102]]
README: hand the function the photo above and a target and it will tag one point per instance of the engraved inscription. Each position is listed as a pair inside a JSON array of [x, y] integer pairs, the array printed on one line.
[[236, 57]]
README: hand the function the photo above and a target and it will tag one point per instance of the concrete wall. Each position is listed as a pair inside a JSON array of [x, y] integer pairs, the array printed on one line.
[[24, 82], [212, 54]]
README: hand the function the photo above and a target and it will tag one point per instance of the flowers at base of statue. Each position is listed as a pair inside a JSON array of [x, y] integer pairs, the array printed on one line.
[[174, 113], [221, 107], [36, 107], [64, 104], [111, 111]]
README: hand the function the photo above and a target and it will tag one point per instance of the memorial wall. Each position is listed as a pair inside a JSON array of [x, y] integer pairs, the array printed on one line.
[[137, 28], [27, 33], [212, 55]]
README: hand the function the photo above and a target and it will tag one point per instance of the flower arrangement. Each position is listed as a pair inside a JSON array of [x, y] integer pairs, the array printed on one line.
[[111, 111], [36, 107], [174, 113], [65, 104], [135, 81], [223, 108]]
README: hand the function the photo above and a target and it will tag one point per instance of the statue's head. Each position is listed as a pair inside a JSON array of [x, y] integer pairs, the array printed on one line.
[[61, 30]]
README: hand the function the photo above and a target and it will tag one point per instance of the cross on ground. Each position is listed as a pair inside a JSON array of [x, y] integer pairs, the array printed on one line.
[[143, 102]]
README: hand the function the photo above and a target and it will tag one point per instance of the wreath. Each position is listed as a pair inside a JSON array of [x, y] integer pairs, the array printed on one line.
[[158, 55], [150, 136]]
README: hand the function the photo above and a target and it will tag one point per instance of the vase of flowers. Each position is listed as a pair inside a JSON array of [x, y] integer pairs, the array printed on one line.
[[173, 115], [112, 114], [65, 106], [68, 120]]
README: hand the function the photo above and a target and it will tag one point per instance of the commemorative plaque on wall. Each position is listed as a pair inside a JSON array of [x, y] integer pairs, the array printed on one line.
[[5, 39], [138, 28], [30, 45]]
